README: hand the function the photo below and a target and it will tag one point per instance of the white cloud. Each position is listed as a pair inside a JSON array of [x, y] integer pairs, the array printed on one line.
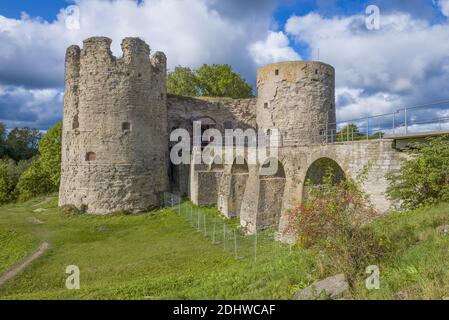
[[444, 6], [274, 48], [189, 32], [39, 108], [406, 62]]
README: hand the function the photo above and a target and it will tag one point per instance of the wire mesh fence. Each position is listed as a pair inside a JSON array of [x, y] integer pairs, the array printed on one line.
[[227, 234]]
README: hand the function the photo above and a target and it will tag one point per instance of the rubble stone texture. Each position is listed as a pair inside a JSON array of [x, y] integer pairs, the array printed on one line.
[[116, 138]]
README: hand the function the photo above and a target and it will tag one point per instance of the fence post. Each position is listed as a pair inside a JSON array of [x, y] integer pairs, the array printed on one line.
[[213, 233], [255, 248], [235, 244], [224, 236], [405, 121], [394, 124], [198, 226], [204, 224], [367, 128]]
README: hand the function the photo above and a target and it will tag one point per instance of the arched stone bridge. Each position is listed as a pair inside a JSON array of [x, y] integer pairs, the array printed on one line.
[[264, 201]]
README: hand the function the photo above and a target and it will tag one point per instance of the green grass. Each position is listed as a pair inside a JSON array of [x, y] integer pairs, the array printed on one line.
[[152, 256], [159, 255], [419, 266]]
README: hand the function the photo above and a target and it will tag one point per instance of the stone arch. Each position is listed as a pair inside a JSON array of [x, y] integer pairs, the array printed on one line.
[[320, 168]]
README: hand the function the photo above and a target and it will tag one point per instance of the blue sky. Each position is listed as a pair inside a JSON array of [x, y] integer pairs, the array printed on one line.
[[405, 62]]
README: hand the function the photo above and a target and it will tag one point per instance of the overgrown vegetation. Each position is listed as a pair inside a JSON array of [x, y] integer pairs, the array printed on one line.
[[159, 255], [39, 173], [332, 217], [19, 144], [423, 178], [208, 81]]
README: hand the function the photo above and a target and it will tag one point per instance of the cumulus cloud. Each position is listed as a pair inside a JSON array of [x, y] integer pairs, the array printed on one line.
[[444, 6], [274, 48], [37, 108], [189, 32], [404, 63]]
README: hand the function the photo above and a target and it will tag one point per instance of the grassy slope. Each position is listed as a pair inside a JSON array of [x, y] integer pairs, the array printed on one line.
[[160, 256], [137, 257], [419, 267]]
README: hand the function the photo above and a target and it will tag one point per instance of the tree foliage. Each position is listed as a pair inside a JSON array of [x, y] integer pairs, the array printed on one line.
[[34, 182], [50, 153], [20, 143], [182, 81], [10, 173], [423, 178], [332, 216], [208, 81]]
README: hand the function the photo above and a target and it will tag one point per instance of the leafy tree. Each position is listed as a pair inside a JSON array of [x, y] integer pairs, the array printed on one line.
[[423, 178], [10, 172], [349, 132], [182, 81], [50, 153], [34, 182], [22, 143], [221, 81], [208, 81], [2, 141]]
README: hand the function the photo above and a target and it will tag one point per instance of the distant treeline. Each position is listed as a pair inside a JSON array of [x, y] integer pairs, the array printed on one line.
[[29, 163]]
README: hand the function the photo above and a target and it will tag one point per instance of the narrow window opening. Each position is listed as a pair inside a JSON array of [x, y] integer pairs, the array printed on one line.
[[126, 126], [265, 105], [91, 156], [316, 71], [276, 72]]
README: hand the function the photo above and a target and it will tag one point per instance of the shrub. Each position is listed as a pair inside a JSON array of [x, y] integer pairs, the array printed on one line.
[[332, 216], [10, 172], [50, 153], [423, 178], [34, 182]]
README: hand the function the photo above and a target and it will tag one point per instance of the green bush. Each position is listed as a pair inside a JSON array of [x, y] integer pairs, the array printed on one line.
[[333, 218], [34, 181], [50, 153], [10, 172], [423, 178]]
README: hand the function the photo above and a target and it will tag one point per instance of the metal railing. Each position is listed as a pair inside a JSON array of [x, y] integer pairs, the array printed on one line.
[[402, 122]]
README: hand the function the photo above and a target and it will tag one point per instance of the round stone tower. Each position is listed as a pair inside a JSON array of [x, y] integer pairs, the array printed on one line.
[[114, 145], [298, 98]]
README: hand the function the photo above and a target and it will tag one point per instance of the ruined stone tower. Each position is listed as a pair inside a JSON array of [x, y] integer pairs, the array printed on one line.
[[298, 98], [114, 144]]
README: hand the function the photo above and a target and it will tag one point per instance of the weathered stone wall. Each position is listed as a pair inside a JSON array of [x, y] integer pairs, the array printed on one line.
[[298, 98], [182, 111], [115, 128]]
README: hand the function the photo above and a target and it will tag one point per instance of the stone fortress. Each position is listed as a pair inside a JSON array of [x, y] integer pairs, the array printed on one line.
[[118, 118]]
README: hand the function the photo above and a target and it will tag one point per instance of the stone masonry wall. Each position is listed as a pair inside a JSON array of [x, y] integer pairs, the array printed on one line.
[[114, 132]]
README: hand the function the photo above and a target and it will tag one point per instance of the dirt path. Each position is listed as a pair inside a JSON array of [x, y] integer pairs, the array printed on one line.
[[45, 201], [14, 271]]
